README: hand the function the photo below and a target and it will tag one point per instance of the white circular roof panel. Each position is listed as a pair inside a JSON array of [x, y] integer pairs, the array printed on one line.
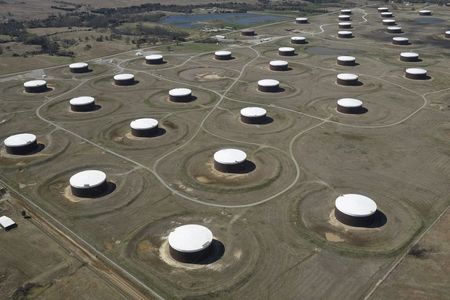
[[180, 92], [347, 76], [230, 156], [190, 238], [222, 53], [409, 54], [268, 82], [20, 140], [87, 179], [253, 112], [78, 65], [144, 123], [35, 83], [154, 57], [345, 32], [416, 71], [349, 102], [83, 100], [346, 58], [123, 77], [355, 205], [278, 63]]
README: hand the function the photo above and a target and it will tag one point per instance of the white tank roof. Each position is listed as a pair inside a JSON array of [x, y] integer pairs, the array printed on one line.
[[268, 82], [346, 58], [144, 123], [87, 179], [78, 65], [424, 11], [345, 23], [190, 238], [286, 49], [343, 16], [123, 77], [355, 205], [349, 102], [409, 54], [298, 38], [346, 10], [347, 76], [253, 112], [394, 28], [387, 21], [180, 92], [35, 83], [400, 39], [278, 63], [447, 32], [83, 100], [222, 53], [20, 140], [416, 71], [383, 8], [154, 57], [345, 32], [386, 13], [230, 156], [301, 19]]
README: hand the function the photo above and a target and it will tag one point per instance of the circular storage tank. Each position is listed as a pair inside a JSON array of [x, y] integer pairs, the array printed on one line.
[[388, 22], [344, 18], [35, 86], [21, 144], [145, 127], [345, 25], [345, 34], [399, 40], [286, 51], [409, 56], [190, 243], [301, 20], [347, 79], [82, 104], [355, 210], [425, 12], [80, 67], [253, 115], [248, 32], [222, 55], [180, 95], [268, 85], [298, 40], [124, 79], [346, 60], [346, 11], [394, 29], [416, 73], [383, 9], [154, 59], [349, 106], [230, 160], [447, 34], [279, 65], [89, 183], [387, 14]]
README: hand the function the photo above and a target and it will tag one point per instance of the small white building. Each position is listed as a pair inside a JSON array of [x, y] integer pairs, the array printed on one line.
[[7, 223]]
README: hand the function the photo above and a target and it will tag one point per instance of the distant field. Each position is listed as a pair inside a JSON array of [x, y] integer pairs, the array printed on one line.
[[41, 9]]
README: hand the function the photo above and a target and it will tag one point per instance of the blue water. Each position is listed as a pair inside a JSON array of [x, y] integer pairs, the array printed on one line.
[[201, 20]]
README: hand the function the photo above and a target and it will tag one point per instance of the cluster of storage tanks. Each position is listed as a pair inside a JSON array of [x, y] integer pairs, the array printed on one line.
[[192, 243]]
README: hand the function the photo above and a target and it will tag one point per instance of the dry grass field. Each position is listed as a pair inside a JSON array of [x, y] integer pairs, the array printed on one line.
[[276, 223]]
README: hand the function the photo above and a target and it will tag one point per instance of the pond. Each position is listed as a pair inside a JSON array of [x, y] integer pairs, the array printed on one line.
[[201, 20]]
